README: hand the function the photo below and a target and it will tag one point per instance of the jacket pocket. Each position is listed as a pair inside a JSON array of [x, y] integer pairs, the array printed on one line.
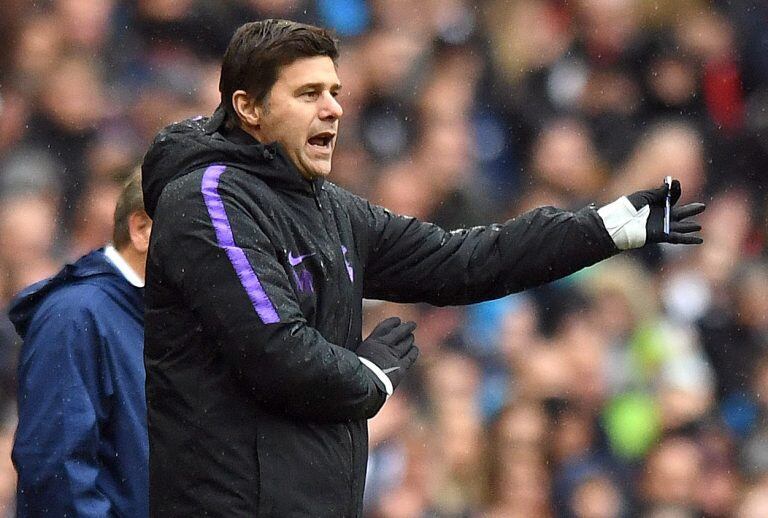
[[265, 506]]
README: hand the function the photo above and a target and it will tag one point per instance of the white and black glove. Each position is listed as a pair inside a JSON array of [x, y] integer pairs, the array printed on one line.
[[389, 352], [637, 219]]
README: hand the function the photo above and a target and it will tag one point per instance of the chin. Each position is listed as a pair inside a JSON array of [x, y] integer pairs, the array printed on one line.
[[320, 170]]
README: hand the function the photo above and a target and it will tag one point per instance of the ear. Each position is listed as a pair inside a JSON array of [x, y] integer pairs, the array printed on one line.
[[139, 227], [246, 109]]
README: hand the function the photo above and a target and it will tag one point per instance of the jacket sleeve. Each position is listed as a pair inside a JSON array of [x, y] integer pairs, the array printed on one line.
[[62, 399], [410, 261], [230, 275]]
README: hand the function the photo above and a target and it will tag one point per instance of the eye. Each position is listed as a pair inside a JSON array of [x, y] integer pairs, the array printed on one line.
[[311, 94], [335, 93]]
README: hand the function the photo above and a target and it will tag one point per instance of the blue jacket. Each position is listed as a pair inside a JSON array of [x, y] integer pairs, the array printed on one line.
[[81, 446]]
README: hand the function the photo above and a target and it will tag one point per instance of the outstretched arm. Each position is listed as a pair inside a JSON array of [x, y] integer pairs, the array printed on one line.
[[410, 261]]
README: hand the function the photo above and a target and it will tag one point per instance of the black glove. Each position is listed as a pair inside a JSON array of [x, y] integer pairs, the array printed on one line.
[[637, 219], [678, 228], [391, 350]]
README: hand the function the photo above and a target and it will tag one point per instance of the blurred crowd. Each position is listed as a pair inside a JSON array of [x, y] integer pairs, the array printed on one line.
[[635, 388]]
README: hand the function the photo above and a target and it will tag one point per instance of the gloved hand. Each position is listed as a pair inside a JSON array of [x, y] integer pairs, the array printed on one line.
[[389, 352], [637, 219]]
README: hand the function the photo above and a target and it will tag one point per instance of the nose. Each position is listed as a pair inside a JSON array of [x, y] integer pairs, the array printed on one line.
[[330, 108]]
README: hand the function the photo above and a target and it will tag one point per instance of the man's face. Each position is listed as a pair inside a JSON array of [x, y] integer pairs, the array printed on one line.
[[302, 113]]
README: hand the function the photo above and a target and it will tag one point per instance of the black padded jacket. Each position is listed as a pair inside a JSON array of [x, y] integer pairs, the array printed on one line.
[[257, 402]]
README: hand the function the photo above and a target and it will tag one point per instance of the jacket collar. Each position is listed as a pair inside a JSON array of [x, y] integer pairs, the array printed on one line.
[[95, 264], [122, 266], [199, 142], [275, 156]]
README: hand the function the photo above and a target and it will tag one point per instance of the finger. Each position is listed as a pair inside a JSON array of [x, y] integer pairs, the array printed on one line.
[[400, 332], [683, 239], [675, 191], [410, 357], [686, 211], [401, 348], [656, 196], [685, 227], [385, 326]]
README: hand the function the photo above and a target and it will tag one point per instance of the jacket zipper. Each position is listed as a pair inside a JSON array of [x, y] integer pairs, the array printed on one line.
[[317, 198], [353, 477], [353, 492]]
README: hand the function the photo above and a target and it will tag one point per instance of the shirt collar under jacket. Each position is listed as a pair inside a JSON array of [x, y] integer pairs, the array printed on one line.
[[123, 267]]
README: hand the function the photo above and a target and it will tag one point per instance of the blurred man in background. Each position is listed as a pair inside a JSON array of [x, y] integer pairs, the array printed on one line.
[[81, 446]]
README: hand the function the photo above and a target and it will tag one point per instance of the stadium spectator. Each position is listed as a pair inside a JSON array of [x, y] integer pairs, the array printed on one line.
[[81, 447]]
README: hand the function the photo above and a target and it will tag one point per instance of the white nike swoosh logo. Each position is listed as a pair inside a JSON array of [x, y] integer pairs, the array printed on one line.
[[391, 369]]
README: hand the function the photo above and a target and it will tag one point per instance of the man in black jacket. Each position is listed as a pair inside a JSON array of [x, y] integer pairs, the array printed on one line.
[[258, 383]]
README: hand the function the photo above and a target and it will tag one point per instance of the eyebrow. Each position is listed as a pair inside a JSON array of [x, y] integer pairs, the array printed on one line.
[[318, 86]]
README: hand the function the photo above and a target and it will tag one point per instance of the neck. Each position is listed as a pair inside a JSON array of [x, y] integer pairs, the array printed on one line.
[[250, 131], [135, 259]]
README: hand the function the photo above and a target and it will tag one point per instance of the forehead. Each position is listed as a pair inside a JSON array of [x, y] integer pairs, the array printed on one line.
[[316, 69]]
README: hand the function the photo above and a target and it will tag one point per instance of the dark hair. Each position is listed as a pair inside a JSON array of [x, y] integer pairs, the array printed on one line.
[[258, 50], [131, 200]]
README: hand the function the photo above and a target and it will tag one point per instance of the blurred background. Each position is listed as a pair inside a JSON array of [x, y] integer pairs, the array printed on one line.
[[633, 388]]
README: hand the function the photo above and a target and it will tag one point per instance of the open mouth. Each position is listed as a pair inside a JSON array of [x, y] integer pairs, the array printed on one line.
[[322, 140]]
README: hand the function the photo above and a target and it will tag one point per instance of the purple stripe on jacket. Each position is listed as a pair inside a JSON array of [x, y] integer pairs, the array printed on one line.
[[248, 278]]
